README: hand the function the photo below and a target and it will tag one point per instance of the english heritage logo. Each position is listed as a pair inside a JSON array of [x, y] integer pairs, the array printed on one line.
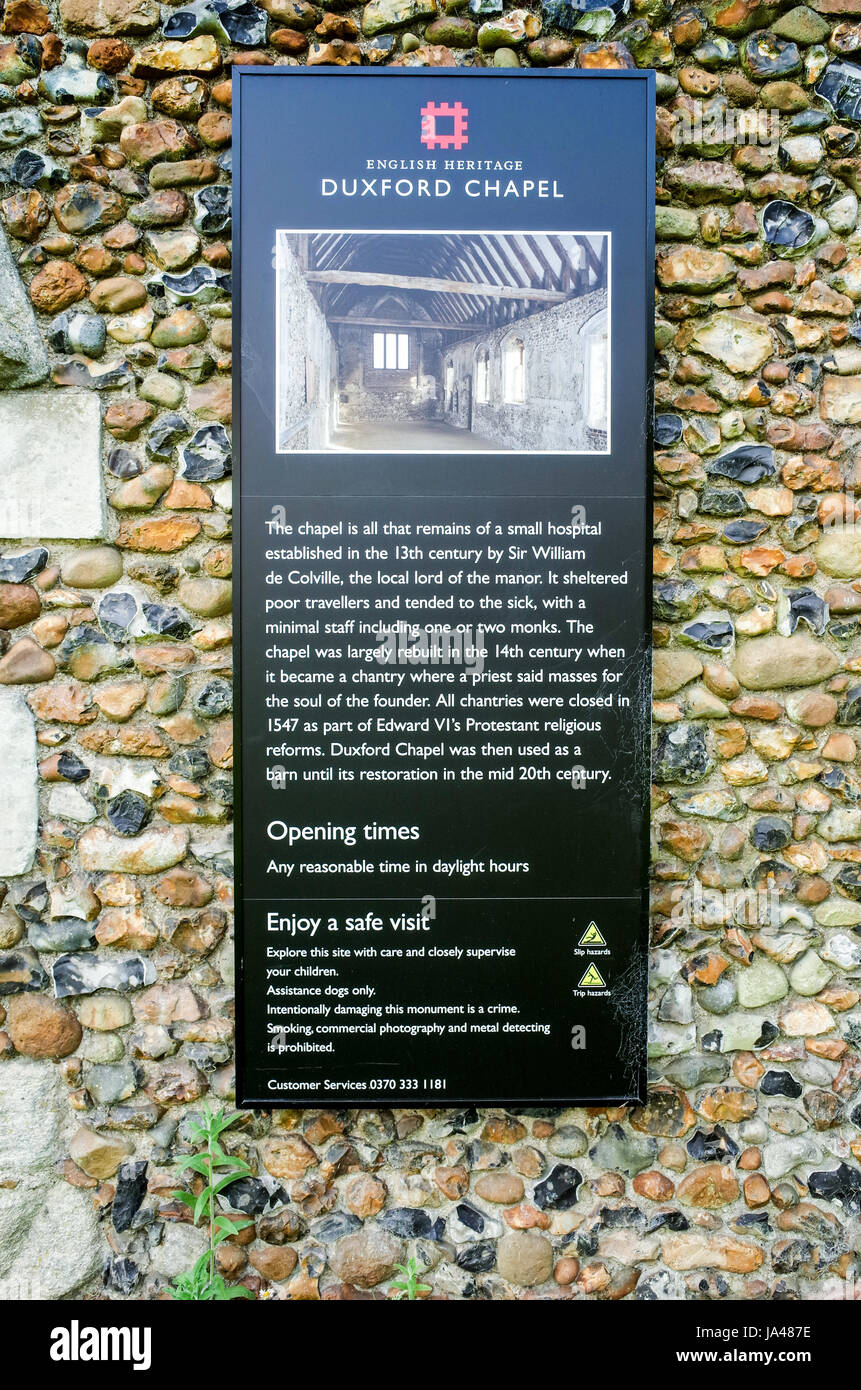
[[76, 1343], [454, 134]]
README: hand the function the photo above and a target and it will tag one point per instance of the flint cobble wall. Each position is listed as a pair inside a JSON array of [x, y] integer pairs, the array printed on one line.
[[741, 1177]]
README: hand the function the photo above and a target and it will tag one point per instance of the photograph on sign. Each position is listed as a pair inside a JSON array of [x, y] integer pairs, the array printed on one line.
[[443, 342]]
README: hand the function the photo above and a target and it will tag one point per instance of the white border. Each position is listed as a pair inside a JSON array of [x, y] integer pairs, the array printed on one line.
[[440, 231]]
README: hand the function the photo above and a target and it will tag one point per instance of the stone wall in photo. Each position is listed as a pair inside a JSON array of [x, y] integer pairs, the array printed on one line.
[[307, 361], [741, 1176], [369, 393], [553, 414]]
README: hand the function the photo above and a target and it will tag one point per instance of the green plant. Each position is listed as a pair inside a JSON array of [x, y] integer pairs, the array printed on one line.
[[203, 1282], [409, 1286]]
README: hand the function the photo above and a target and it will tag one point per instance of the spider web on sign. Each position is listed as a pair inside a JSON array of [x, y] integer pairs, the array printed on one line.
[[628, 1003]]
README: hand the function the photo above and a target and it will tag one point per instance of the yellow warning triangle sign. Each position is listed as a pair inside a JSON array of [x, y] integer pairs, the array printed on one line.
[[592, 978], [591, 937]]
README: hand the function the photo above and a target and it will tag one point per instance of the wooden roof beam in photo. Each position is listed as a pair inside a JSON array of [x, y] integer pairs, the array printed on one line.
[[543, 262], [497, 245], [366, 321], [385, 280], [570, 272]]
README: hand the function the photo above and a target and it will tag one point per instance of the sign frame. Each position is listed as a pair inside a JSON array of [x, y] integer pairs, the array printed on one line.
[[246, 1094]]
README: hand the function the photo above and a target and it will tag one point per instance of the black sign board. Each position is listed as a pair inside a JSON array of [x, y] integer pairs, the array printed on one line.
[[442, 400]]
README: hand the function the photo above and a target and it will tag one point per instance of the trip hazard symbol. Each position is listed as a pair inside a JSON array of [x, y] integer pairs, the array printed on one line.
[[593, 978]]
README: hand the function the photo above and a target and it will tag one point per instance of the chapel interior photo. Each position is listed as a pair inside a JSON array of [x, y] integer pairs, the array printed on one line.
[[443, 342]]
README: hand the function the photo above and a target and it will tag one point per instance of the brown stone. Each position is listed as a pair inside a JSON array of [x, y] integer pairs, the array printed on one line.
[[126, 419], [365, 1196], [454, 1182], [109, 55], [274, 1262], [69, 703], [504, 1188], [700, 1250], [19, 604], [25, 663], [148, 141], [26, 214], [118, 294], [525, 1258], [87, 207], [366, 1258], [287, 1156], [727, 1105], [654, 1186], [196, 55], [162, 536], [565, 1271], [183, 888], [97, 1155], [120, 701], [25, 17], [666, 1113], [127, 928], [711, 1186], [213, 400], [57, 285], [215, 129], [757, 1192], [40, 1026], [501, 1129]]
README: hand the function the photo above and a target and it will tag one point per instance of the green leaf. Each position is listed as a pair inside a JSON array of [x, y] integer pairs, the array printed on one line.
[[199, 1163], [232, 1224], [188, 1199]]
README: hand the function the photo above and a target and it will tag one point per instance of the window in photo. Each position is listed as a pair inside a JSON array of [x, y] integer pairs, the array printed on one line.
[[482, 378], [596, 373], [514, 371], [392, 352]]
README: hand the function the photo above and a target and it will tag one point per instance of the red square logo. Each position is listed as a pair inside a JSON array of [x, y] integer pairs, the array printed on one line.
[[444, 126]]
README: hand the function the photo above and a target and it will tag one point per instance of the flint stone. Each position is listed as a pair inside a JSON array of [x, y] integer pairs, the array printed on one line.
[[773, 663], [156, 849], [366, 1258], [525, 1258], [75, 974]]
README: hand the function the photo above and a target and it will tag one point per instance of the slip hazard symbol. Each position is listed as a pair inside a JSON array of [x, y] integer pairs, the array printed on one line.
[[591, 937], [592, 979], [444, 126]]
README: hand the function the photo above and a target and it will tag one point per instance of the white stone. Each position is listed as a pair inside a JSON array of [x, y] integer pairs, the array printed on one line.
[[843, 950], [49, 1240], [60, 1252], [19, 804], [32, 1099], [181, 1246], [782, 1155], [67, 803], [842, 214], [50, 463], [838, 912], [23, 359]]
